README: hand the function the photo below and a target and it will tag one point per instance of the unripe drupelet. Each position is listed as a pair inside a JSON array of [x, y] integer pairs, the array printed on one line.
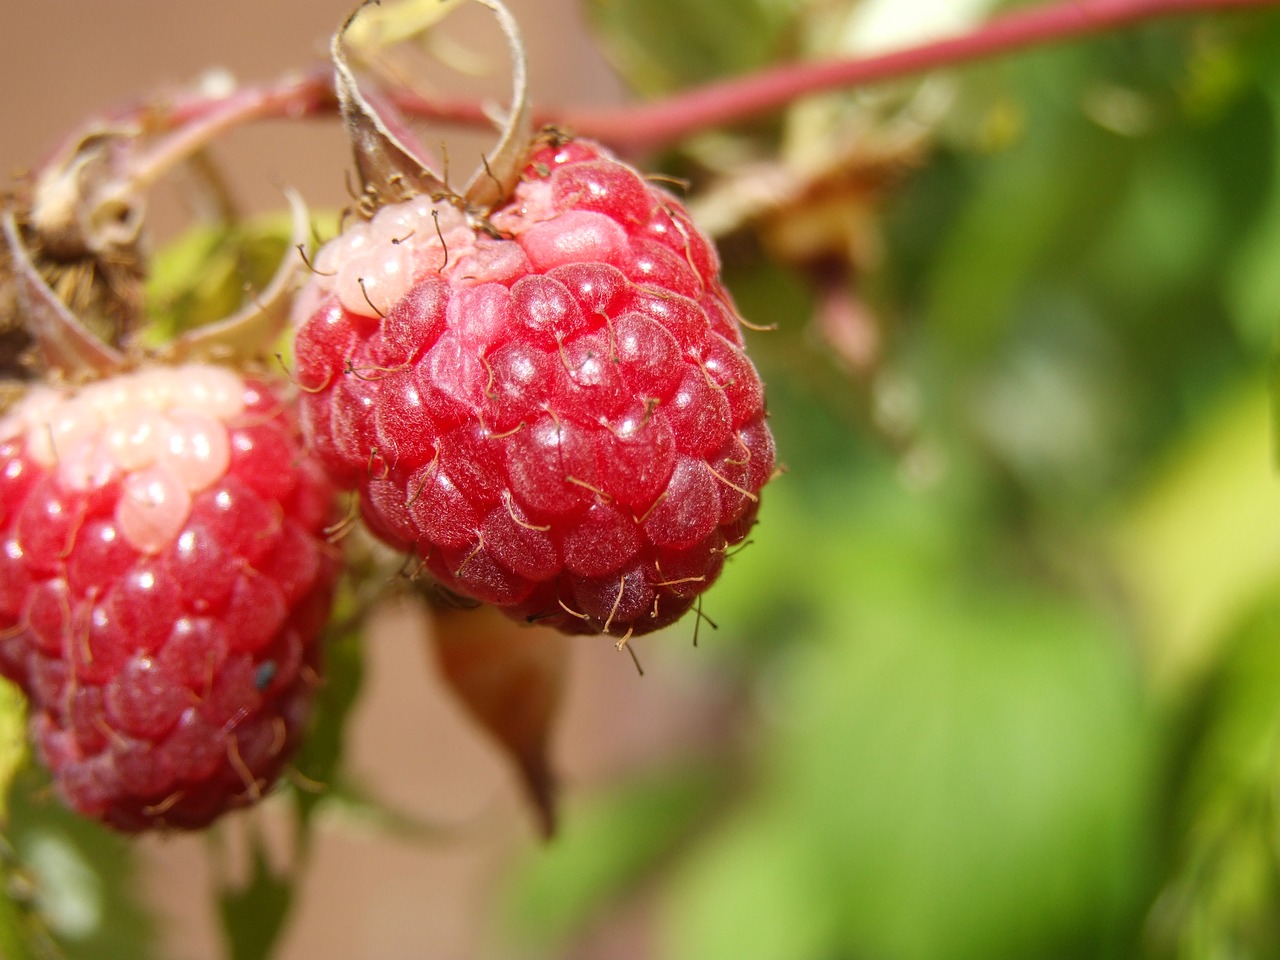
[[552, 406], [164, 579]]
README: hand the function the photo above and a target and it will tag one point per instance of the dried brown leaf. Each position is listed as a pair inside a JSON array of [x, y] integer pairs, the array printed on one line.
[[510, 678]]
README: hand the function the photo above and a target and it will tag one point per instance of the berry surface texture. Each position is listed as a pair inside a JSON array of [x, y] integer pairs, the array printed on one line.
[[164, 579], [549, 405]]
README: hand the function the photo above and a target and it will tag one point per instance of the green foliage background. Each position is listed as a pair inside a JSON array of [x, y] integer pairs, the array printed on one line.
[[1027, 703], [1028, 707]]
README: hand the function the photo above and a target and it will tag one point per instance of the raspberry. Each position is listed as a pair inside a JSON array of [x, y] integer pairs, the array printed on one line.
[[551, 404], [163, 583]]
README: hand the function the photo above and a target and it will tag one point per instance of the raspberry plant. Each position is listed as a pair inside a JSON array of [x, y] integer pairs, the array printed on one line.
[[536, 392]]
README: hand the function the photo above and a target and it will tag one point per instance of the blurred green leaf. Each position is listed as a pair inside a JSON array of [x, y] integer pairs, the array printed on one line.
[[662, 46], [205, 274], [1167, 220], [23, 935], [1253, 287], [823, 539], [939, 732], [1105, 240], [1202, 542], [20, 930], [254, 916], [949, 749], [13, 937], [79, 880], [750, 891], [604, 849], [1022, 208], [13, 741], [1223, 899], [319, 761]]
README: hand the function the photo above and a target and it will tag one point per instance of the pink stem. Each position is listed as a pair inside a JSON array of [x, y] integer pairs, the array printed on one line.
[[649, 126], [652, 125], [294, 97]]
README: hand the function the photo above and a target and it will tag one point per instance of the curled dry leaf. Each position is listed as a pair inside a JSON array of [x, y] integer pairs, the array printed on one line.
[[70, 268], [390, 164], [510, 678], [497, 177]]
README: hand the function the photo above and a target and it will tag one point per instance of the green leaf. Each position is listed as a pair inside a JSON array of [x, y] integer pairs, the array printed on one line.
[[992, 258], [78, 879], [319, 761], [254, 916], [1202, 543], [203, 275], [751, 868], [665, 45], [23, 935], [936, 730], [13, 936], [1253, 286], [943, 750], [13, 741], [1223, 898], [607, 844]]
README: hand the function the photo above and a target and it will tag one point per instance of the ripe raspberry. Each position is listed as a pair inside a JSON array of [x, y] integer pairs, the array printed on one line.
[[163, 582], [551, 405]]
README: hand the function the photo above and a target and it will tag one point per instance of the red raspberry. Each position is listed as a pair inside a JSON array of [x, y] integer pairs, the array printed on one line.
[[551, 405], [163, 583]]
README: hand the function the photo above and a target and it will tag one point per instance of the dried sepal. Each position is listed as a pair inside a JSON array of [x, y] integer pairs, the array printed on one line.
[[78, 206], [497, 177], [64, 343], [391, 165], [75, 238], [72, 268]]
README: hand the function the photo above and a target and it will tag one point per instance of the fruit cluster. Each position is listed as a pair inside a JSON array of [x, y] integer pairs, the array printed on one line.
[[537, 388]]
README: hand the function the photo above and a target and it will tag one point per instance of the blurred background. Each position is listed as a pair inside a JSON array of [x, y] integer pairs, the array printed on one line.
[[996, 677]]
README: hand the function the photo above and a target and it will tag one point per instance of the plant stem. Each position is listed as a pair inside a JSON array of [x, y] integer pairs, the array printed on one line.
[[649, 126], [652, 125]]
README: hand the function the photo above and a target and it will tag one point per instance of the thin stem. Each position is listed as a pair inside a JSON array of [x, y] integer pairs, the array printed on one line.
[[648, 126], [191, 137], [652, 125], [294, 97]]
